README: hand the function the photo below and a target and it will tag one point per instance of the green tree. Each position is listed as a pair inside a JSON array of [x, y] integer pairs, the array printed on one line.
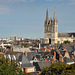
[[9, 67], [66, 42], [59, 69]]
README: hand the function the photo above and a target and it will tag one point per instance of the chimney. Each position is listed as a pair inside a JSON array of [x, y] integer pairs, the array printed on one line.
[[48, 47], [46, 59], [72, 57], [66, 51], [58, 49], [20, 43], [52, 48], [4, 53], [35, 50], [41, 50], [54, 58], [49, 50], [39, 46], [55, 54], [1, 50], [11, 48], [45, 48], [38, 73], [64, 47], [26, 53], [60, 58]]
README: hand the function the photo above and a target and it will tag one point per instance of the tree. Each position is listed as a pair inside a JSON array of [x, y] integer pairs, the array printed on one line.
[[66, 42], [9, 67], [59, 69]]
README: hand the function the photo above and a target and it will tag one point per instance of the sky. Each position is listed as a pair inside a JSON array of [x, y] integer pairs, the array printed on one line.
[[25, 18]]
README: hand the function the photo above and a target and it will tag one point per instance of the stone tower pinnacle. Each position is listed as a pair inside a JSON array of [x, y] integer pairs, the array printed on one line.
[[54, 14], [47, 15], [51, 29]]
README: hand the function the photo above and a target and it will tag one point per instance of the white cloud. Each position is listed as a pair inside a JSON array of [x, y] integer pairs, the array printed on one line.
[[4, 10]]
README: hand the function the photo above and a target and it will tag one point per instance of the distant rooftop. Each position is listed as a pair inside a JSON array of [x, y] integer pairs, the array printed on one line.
[[64, 34]]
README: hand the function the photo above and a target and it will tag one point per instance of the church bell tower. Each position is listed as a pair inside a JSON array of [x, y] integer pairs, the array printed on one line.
[[51, 29]]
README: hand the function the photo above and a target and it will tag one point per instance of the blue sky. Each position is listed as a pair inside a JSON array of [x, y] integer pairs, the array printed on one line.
[[25, 18]]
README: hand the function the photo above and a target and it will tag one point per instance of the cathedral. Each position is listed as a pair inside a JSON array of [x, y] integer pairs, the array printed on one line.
[[51, 34]]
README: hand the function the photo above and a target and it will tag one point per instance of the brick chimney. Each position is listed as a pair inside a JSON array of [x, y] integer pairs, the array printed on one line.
[[66, 51], [54, 53], [1, 50], [53, 48], [20, 43], [48, 47], [49, 50], [41, 50], [60, 58], [54, 58], [4, 53], [11, 48], [72, 57], [58, 49], [35, 50], [64, 47], [26, 53], [46, 59]]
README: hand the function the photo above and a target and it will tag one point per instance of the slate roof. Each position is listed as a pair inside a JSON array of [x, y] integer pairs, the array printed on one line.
[[38, 56], [67, 60], [68, 46], [62, 52], [26, 65], [60, 46], [25, 62], [20, 57], [24, 59], [43, 54], [62, 34], [30, 55], [42, 45], [40, 65]]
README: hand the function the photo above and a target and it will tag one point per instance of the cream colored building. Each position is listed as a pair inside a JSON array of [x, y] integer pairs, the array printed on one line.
[[51, 34]]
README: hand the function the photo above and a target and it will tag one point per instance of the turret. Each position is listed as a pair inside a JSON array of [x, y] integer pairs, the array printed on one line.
[[54, 14], [47, 19], [54, 18], [55, 28]]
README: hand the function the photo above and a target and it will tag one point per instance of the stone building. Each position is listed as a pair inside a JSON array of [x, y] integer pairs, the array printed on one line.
[[51, 34]]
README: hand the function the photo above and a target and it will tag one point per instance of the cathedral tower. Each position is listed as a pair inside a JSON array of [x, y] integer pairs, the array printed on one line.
[[51, 29]]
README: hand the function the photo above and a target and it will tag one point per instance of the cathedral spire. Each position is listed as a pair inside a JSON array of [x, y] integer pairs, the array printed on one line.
[[47, 15], [47, 20], [54, 14]]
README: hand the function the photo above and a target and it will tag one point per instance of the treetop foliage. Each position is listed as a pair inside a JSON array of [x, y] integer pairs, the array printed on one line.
[[9, 67], [59, 68]]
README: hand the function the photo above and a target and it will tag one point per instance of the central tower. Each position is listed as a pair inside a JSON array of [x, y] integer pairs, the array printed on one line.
[[51, 29]]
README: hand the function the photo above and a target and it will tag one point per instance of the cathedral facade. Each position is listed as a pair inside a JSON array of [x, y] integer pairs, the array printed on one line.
[[51, 34]]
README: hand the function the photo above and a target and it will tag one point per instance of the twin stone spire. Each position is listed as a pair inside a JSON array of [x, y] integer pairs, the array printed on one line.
[[51, 29], [54, 18]]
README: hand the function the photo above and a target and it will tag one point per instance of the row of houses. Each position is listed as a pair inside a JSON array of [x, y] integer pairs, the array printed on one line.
[[37, 56], [34, 61]]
